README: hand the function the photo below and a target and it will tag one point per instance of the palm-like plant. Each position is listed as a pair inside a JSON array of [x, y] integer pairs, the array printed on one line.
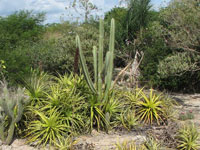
[[48, 128], [150, 108], [138, 16]]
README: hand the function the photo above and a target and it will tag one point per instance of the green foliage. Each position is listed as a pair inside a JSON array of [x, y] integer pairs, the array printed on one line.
[[138, 16], [18, 32], [152, 144], [129, 119], [129, 145], [178, 64], [18, 64], [56, 102], [150, 108], [180, 31], [48, 128], [11, 107], [188, 137], [2, 68], [182, 27], [119, 14], [151, 42], [18, 27], [55, 52], [69, 103], [65, 143]]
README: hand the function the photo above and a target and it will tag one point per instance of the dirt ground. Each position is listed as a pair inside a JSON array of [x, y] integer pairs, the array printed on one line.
[[103, 141]]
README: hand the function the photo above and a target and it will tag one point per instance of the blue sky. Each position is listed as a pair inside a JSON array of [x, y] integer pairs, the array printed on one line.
[[55, 9]]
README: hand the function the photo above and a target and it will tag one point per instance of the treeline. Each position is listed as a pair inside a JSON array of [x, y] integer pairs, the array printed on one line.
[[169, 39]]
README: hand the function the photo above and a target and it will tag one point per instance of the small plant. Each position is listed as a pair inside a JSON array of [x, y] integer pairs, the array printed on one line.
[[151, 108], [11, 110], [67, 94], [186, 115], [48, 128], [188, 137], [64, 143], [152, 144], [128, 119], [36, 86], [129, 145], [134, 96]]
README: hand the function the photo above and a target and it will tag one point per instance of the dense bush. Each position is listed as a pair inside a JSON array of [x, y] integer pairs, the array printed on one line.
[[155, 50], [180, 30], [56, 52], [18, 27], [18, 31]]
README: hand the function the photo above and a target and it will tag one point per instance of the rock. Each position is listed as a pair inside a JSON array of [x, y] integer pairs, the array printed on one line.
[[94, 133], [6, 147], [18, 143]]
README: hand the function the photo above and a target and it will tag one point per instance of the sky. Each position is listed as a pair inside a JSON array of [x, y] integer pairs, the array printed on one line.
[[56, 9]]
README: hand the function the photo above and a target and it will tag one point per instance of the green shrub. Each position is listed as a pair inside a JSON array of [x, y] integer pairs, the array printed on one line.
[[62, 98], [56, 52], [18, 32], [18, 27]]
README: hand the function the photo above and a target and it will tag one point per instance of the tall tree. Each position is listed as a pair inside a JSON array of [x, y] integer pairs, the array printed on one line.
[[84, 8], [138, 16]]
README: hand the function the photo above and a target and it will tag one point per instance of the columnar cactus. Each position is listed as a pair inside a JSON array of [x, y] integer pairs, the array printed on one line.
[[100, 66], [11, 105]]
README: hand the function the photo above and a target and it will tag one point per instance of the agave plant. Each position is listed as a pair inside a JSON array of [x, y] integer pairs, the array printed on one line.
[[48, 128], [102, 84], [151, 108]]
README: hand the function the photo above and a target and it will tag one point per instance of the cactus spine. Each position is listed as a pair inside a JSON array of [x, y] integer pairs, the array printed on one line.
[[11, 105], [98, 87]]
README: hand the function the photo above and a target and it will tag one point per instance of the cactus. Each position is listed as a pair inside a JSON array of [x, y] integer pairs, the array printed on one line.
[[11, 106], [100, 66]]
